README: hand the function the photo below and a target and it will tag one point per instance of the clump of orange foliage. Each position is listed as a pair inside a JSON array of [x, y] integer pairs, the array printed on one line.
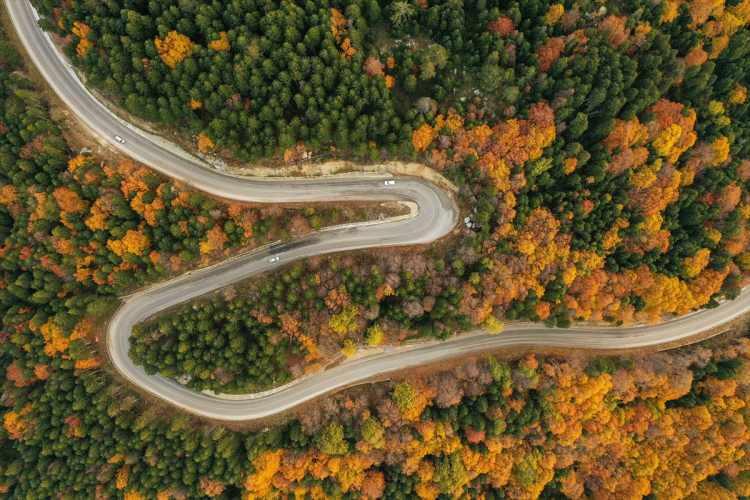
[[204, 143], [498, 149], [340, 32], [215, 240], [616, 29], [671, 131], [221, 44], [502, 26], [550, 52], [173, 48], [211, 487], [509, 143], [134, 243], [82, 31], [16, 423]]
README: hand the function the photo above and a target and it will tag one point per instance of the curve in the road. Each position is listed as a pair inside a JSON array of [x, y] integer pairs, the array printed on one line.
[[435, 217]]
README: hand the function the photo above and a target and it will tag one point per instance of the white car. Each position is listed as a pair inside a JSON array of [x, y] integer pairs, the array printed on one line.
[[119, 139], [389, 183], [273, 259]]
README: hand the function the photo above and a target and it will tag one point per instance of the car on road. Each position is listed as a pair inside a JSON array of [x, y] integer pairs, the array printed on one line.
[[119, 139], [389, 183], [273, 259]]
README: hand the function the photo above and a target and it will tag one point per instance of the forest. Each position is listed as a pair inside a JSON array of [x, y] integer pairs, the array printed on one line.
[[601, 152], [600, 148]]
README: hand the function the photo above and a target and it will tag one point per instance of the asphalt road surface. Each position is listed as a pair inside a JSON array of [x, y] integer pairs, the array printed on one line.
[[436, 216]]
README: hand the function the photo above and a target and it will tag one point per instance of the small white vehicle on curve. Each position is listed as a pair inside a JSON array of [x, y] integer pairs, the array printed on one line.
[[119, 139], [273, 259], [389, 183]]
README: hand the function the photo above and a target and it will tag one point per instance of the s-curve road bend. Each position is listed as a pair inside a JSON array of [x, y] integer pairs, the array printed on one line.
[[435, 217]]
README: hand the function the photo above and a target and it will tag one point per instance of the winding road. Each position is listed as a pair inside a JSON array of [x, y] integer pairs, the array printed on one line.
[[436, 216]]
